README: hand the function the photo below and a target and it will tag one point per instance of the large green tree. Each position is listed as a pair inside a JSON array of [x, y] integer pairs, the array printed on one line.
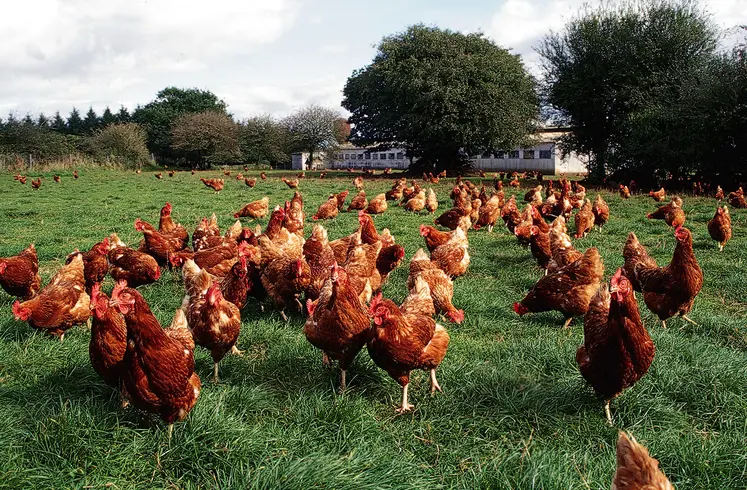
[[74, 123], [443, 95], [157, 116], [611, 66], [263, 139], [313, 128], [206, 137]]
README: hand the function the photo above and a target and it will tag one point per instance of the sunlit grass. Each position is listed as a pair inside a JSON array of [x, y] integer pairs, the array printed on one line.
[[515, 412]]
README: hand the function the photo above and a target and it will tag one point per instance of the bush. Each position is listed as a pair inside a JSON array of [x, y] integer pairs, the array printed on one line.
[[207, 137], [125, 144], [40, 143]]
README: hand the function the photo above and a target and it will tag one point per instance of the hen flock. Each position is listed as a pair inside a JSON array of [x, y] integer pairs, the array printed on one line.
[[341, 282]]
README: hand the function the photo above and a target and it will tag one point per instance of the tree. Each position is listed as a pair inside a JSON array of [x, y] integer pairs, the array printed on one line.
[[27, 121], [263, 139], [58, 124], [108, 118], [75, 123], [91, 122], [42, 121], [123, 115], [124, 143], [313, 128], [158, 115], [443, 95], [207, 137], [609, 67]]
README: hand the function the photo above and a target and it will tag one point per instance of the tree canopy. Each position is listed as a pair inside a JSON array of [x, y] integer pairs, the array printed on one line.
[[157, 116], [207, 137], [313, 128], [443, 95], [263, 139], [613, 73]]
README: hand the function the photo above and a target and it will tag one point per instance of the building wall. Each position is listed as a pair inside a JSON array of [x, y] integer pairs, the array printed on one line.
[[393, 158]]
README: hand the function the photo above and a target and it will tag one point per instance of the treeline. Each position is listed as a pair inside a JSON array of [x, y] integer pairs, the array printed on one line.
[[188, 127]]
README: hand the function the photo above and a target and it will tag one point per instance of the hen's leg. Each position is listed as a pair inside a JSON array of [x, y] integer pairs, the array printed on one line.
[[325, 360], [685, 317], [215, 372], [663, 324], [283, 316], [720, 247], [607, 411], [567, 322], [235, 351], [434, 383], [300, 305], [343, 383], [405, 405], [62, 337], [171, 431]]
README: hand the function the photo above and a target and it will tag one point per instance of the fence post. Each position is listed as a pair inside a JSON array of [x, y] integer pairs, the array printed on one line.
[[31, 161]]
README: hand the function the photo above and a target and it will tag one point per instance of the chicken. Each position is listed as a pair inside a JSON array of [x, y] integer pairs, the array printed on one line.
[[434, 237], [671, 213], [563, 252], [419, 301], [431, 202], [250, 183], [215, 184], [61, 304], [95, 262], [159, 365], [133, 267], [36, 184], [659, 195], [284, 277], [670, 290], [617, 349], [511, 215], [539, 244], [360, 265], [56, 178], [584, 220], [624, 192], [636, 470], [567, 290], [514, 183], [108, 339], [167, 225], [239, 176], [440, 284], [489, 213], [159, 176], [534, 196], [377, 205], [295, 218], [736, 199], [338, 323], [454, 218], [474, 214], [389, 259], [19, 275], [159, 245], [453, 257], [215, 324], [292, 184], [227, 173], [401, 342], [320, 257], [358, 183], [340, 197], [263, 176], [255, 209], [719, 227], [327, 210], [206, 228], [719, 193], [216, 260], [359, 202], [416, 203]]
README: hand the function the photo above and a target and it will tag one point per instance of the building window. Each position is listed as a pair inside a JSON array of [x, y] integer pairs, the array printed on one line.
[[383, 156], [400, 156], [546, 154], [360, 156], [375, 156], [368, 156], [391, 156], [501, 155], [528, 154], [347, 156], [513, 154]]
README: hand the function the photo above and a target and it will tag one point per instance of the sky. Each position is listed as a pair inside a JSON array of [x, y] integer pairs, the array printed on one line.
[[260, 56]]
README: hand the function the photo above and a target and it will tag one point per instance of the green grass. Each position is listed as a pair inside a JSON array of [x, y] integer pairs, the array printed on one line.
[[515, 412]]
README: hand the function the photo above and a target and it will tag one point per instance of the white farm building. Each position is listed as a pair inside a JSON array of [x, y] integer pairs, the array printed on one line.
[[545, 156]]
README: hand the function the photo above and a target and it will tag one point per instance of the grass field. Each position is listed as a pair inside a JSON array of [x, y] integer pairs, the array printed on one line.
[[515, 412]]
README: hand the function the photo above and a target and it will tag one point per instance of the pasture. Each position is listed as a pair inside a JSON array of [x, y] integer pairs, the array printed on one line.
[[515, 412]]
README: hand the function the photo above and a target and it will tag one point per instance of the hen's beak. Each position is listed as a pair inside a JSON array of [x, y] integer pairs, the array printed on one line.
[[614, 289]]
